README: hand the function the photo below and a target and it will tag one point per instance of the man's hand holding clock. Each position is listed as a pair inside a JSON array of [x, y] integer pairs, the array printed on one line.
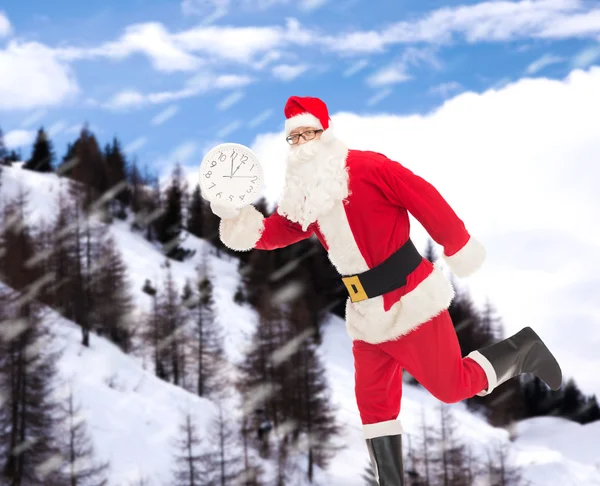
[[231, 177]]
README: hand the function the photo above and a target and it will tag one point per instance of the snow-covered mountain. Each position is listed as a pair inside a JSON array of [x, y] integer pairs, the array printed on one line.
[[133, 416]]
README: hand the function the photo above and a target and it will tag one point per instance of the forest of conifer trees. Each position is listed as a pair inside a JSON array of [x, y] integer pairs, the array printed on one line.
[[72, 265]]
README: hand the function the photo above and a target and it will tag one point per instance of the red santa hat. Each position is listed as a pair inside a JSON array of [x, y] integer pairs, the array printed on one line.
[[305, 111]]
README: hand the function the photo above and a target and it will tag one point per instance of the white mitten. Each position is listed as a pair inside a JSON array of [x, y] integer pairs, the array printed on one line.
[[224, 212]]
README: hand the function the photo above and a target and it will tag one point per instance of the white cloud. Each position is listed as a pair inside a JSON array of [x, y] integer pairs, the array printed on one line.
[[34, 118], [229, 129], [230, 100], [519, 165], [19, 138], [445, 89], [151, 39], [397, 71], [288, 72], [542, 62], [209, 10], [257, 120], [5, 27], [355, 68], [165, 115], [182, 153], [310, 5], [32, 77], [379, 96], [135, 145], [491, 21], [200, 84], [586, 57], [56, 128], [391, 74]]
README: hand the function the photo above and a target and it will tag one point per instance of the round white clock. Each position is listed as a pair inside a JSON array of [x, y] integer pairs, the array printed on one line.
[[231, 175]]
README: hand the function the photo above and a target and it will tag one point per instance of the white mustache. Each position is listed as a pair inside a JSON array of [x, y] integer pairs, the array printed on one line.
[[306, 151]]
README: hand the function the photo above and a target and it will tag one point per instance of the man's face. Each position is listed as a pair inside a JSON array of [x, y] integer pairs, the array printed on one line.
[[308, 133]]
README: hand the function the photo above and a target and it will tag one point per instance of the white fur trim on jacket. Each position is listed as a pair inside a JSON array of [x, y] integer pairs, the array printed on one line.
[[368, 321], [242, 233], [490, 372], [380, 429], [303, 120], [466, 260]]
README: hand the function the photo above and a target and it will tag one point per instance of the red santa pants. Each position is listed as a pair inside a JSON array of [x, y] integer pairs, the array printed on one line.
[[430, 353]]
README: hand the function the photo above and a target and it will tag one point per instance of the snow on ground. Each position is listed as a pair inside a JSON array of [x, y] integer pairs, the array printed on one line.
[[133, 416]]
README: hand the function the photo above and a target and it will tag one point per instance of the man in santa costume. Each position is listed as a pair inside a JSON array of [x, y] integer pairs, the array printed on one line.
[[357, 203]]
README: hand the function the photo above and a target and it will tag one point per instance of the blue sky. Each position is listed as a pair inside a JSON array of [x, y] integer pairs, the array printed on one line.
[[172, 78]]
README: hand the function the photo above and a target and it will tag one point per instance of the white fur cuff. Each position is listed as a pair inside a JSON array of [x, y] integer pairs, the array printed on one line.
[[466, 260], [490, 373], [242, 233], [380, 429], [303, 120]]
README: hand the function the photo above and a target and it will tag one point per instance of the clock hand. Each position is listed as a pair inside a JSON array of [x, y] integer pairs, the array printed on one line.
[[236, 169]]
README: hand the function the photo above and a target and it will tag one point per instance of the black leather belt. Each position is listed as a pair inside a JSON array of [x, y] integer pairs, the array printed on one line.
[[387, 276]]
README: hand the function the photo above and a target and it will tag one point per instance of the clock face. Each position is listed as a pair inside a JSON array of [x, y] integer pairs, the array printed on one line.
[[231, 175]]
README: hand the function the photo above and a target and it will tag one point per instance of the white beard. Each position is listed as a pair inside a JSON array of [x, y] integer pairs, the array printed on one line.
[[316, 178]]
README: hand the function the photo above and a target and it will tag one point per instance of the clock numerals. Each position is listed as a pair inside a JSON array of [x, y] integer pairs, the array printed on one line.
[[230, 197], [213, 185], [218, 194], [222, 157], [208, 174], [242, 197], [249, 190], [252, 166], [254, 179], [213, 163]]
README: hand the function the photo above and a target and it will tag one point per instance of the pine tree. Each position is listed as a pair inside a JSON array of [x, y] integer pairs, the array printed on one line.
[[501, 471], [155, 334], [3, 151], [195, 218], [170, 224], [170, 327], [311, 409], [190, 461], [430, 253], [222, 461], [42, 156], [113, 300], [209, 343], [453, 466], [369, 476], [258, 381], [116, 173], [89, 173], [27, 364], [82, 469]]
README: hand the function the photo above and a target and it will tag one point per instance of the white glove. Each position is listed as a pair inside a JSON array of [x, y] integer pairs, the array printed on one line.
[[224, 212]]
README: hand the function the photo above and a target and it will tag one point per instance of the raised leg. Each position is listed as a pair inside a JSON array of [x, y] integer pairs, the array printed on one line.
[[432, 355]]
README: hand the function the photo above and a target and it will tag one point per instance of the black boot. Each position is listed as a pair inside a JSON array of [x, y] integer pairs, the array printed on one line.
[[523, 352], [386, 458]]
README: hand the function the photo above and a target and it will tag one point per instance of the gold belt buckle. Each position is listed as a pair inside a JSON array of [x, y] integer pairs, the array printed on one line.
[[355, 288]]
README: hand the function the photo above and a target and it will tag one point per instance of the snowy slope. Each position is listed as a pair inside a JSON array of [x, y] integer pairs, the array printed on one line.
[[133, 422]]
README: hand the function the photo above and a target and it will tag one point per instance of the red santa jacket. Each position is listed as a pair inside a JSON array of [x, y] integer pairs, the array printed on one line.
[[365, 229]]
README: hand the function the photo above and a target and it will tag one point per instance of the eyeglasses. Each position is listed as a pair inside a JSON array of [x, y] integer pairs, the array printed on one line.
[[307, 135]]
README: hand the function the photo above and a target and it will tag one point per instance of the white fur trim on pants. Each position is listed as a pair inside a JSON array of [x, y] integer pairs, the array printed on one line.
[[490, 373], [368, 321], [303, 120], [466, 260], [381, 429], [244, 231]]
